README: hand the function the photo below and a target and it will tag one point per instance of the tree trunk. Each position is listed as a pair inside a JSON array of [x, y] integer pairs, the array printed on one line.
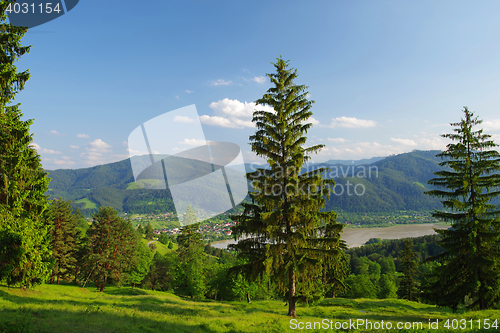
[[333, 293], [248, 297], [291, 293]]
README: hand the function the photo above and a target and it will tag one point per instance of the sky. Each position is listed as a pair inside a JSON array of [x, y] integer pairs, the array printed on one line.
[[387, 77]]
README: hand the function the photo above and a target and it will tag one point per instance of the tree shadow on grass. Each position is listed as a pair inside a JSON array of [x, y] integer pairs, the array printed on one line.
[[28, 314]]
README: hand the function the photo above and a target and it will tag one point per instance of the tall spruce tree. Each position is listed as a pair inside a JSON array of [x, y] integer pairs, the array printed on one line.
[[470, 262], [23, 183], [288, 236], [190, 271], [408, 287], [64, 240]]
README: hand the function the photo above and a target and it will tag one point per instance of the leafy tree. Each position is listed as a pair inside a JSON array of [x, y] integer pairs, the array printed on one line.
[[64, 239], [142, 266], [111, 247], [408, 287], [288, 233], [387, 286], [470, 180], [360, 286], [23, 182], [161, 275]]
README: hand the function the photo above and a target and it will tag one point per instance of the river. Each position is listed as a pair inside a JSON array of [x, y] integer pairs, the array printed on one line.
[[358, 236]]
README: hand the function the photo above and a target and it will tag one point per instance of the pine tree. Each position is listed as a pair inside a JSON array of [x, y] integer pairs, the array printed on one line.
[[23, 182], [408, 287], [111, 247], [64, 240], [288, 233], [149, 232], [189, 216], [470, 180]]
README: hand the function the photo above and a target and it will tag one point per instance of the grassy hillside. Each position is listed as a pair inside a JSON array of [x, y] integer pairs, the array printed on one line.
[[65, 308]]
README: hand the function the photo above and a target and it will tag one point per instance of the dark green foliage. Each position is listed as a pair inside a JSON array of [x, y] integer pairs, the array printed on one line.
[[161, 275], [64, 240], [408, 287], [11, 251], [148, 231], [290, 239], [23, 182], [467, 184], [111, 247]]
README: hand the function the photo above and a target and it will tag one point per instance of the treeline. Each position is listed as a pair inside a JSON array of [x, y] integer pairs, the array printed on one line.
[[111, 251], [392, 268]]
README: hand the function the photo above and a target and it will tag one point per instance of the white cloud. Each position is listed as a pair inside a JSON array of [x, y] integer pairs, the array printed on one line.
[[193, 142], [95, 152], [491, 125], [74, 147], [64, 161], [49, 151], [221, 82], [405, 142], [351, 122], [188, 91], [232, 113], [54, 132], [337, 140], [83, 136], [259, 79], [312, 121], [218, 121], [99, 145], [41, 150], [183, 119]]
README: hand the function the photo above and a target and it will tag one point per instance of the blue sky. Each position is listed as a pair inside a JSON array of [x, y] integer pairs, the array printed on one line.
[[387, 77]]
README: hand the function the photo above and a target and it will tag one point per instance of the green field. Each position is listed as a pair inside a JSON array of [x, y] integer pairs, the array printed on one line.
[[67, 308], [89, 204]]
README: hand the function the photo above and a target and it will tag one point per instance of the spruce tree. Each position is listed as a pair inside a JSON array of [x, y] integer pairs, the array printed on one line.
[[64, 240], [190, 271], [468, 183], [23, 182], [408, 287], [289, 236], [149, 232]]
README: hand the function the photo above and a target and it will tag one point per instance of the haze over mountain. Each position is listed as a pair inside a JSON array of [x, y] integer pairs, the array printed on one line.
[[392, 183]]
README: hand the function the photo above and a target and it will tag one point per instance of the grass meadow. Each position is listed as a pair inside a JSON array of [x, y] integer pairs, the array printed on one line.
[[69, 308]]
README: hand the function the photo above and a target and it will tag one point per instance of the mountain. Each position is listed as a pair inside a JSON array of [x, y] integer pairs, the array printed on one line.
[[392, 183], [355, 162]]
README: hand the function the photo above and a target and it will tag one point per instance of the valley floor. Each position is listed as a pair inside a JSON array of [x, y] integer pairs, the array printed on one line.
[[67, 308]]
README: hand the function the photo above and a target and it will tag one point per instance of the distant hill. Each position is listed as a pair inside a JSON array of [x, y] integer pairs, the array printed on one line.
[[392, 183], [355, 162]]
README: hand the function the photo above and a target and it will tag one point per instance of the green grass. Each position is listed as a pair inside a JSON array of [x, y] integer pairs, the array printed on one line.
[[161, 248], [145, 183], [66, 308], [89, 204]]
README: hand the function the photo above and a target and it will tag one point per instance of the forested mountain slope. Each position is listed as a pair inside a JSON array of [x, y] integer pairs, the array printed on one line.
[[394, 183]]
